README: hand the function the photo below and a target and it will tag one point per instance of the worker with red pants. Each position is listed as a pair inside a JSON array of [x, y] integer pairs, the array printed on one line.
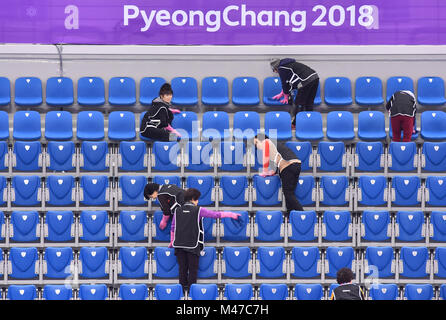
[[402, 109]]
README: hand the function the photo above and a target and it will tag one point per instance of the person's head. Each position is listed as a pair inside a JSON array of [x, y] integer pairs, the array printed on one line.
[[192, 195], [166, 92], [259, 140], [151, 190], [344, 275], [275, 64]]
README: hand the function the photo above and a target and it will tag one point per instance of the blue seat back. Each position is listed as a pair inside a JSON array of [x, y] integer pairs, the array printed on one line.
[[199, 156], [236, 262], [379, 262], [406, 190], [94, 190], [409, 225], [438, 222], [414, 260], [185, 91], [133, 291], [168, 292], [149, 88], [304, 152], [3, 190], [308, 291], [246, 124], [122, 91], [306, 190], [305, 262], [434, 156], [433, 125], [271, 86], [206, 185], [25, 225], [2, 230], [94, 260], [58, 125], [121, 125], [61, 155], [94, 155], [431, 91], [90, 125], [403, 155], [418, 292], [133, 225], [233, 189], [215, 91], [166, 155], [59, 91], [203, 291], [26, 190], [27, 155], [266, 190], [94, 225], [436, 191], [269, 226], [186, 123], [309, 126], [132, 190], [5, 91], [334, 190], [215, 125], [232, 156], [278, 125], [384, 291], [245, 91], [4, 125], [236, 230], [207, 266], [133, 262], [93, 292], [372, 189], [337, 225], [273, 291], [26, 125], [369, 91], [242, 291], [61, 190], [58, 262], [371, 125], [398, 83], [22, 292], [166, 263], [23, 262], [331, 155], [440, 262], [28, 91], [338, 91], [57, 292], [132, 156], [339, 257], [91, 91], [340, 125], [304, 225], [60, 226], [369, 156]]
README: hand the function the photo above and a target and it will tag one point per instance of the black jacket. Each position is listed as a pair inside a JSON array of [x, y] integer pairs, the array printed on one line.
[[170, 196], [158, 116], [348, 291], [292, 73], [402, 103]]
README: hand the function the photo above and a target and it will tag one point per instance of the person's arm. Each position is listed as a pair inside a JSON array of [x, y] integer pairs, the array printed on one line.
[[390, 102], [206, 213]]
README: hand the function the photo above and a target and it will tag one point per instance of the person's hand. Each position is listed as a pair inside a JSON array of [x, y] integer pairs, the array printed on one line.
[[285, 98], [232, 215], [163, 224], [169, 128], [278, 96], [267, 173], [174, 110], [170, 245]]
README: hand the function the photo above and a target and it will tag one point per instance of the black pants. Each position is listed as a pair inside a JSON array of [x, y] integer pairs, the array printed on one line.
[[289, 178], [156, 134], [187, 267], [305, 99]]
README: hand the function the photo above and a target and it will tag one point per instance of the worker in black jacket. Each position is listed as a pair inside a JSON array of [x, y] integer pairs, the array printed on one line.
[[296, 75], [156, 123], [402, 109], [346, 289]]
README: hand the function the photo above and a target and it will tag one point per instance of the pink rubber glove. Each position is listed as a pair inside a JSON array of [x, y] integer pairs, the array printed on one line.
[[174, 110], [172, 236], [164, 220], [169, 128], [232, 215], [267, 173], [285, 99], [278, 96]]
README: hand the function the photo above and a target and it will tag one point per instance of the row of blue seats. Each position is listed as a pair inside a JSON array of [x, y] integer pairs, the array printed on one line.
[[216, 125], [265, 226], [230, 291], [232, 190], [214, 91], [383, 262]]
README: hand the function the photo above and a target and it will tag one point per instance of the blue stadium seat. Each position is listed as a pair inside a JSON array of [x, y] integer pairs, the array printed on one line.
[[149, 88], [131, 190], [379, 262], [278, 125], [435, 191], [245, 91], [94, 190], [372, 190], [406, 191], [375, 226], [59, 91], [27, 156], [214, 91], [371, 125], [57, 292], [273, 291], [305, 262], [418, 292], [433, 125], [234, 190], [186, 123], [308, 291], [90, 91], [4, 125], [22, 292], [339, 257], [185, 91], [369, 156], [442, 292], [242, 291], [164, 263], [60, 190], [203, 291], [93, 226], [433, 156], [209, 232], [309, 126], [28, 91], [59, 226], [384, 291], [271, 86], [122, 91], [236, 262], [402, 156], [23, 263], [58, 263], [61, 156], [414, 262], [93, 292], [334, 190], [26, 190], [24, 226], [133, 262], [2, 230], [438, 226], [269, 226], [398, 83], [266, 190], [215, 125], [340, 125], [331, 156], [158, 234], [338, 91], [440, 262], [3, 191], [337, 226], [207, 267], [409, 226], [168, 292], [304, 226], [121, 125], [94, 156], [232, 156], [246, 125], [166, 156], [235, 230], [133, 292], [369, 91], [304, 152], [200, 156], [206, 185], [5, 91], [90, 125], [431, 91], [132, 226], [132, 156], [306, 191], [58, 125], [93, 262], [26, 125], [4, 156]]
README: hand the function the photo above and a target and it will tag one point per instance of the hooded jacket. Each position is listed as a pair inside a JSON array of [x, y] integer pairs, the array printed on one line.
[[292, 73], [158, 116], [402, 103]]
